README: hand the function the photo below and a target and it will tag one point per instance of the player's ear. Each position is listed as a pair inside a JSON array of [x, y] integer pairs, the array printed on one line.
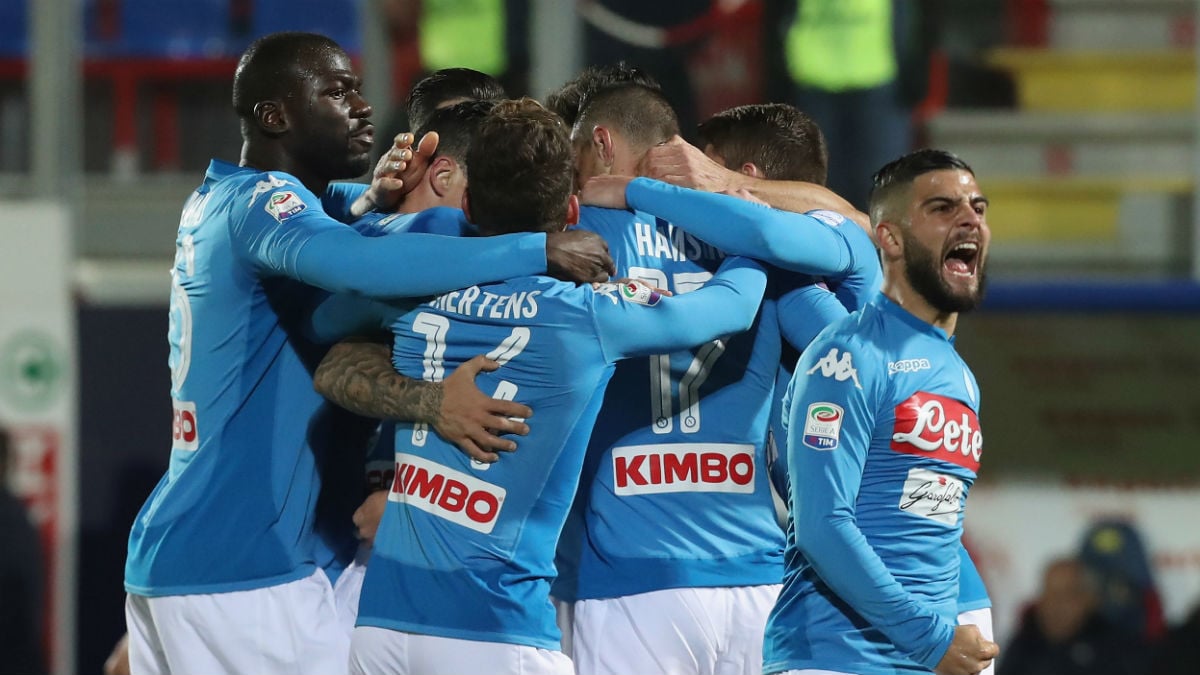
[[751, 169], [602, 145], [270, 117], [889, 240], [440, 174], [572, 211]]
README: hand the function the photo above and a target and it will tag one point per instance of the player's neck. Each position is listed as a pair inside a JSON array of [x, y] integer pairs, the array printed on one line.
[[267, 159], [904, 295]]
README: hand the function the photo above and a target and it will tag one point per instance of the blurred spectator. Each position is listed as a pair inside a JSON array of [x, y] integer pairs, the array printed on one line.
[[658, 36], [21, 590], [1063, 633], [1180, 652], [859, 68], [1114, 552]]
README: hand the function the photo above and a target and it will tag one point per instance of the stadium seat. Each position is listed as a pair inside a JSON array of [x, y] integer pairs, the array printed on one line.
[[339, 19], [13, 29], [175, 30]]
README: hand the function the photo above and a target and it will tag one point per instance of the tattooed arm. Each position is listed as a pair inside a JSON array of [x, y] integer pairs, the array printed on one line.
[[357, 375]]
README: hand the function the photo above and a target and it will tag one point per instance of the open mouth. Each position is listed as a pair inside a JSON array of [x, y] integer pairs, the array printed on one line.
[[963, 259]]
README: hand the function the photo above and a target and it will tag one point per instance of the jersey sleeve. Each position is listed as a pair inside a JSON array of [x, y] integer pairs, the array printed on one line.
[[792, 241], [830, 425], [806, 311], [286, 233], [633, 321], [972, 594], [335, 316], [860, 282], [339, 197]]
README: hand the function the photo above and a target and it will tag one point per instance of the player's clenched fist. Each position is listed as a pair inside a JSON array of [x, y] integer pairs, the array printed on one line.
[[969, 653]]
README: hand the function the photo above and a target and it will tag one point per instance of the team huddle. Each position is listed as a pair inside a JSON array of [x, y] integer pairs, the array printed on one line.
[[596, 350]]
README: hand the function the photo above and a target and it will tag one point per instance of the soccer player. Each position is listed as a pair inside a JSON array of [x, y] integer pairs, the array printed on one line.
[[674, 536], [442, 185], [884, 445], [568, 100], [222, 572], [445, 87], [776, 141], [461, 571]]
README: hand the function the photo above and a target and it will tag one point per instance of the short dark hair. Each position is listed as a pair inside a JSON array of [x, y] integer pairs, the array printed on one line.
[[640, 113], [456, 125], [522, 169], [448, 84], [898, 175], [780, 139], [567, 101], [271, 65]]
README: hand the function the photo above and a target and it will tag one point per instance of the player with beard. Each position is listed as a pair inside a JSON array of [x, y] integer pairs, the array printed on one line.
[[884, 445]]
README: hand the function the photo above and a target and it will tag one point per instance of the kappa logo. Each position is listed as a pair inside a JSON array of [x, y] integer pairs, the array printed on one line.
[[608, 290], [908, 366], [840, 369], [284, 205], [264, 186]]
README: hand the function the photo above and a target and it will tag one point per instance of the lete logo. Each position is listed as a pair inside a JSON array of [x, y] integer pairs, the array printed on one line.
[[932, 425]]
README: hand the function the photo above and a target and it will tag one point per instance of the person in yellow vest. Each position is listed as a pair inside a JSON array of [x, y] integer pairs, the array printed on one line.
[[490, 36], [858, 68]]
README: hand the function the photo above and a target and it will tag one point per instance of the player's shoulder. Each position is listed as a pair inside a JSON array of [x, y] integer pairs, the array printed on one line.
[[599, 219], [830, 218], [253, 194]]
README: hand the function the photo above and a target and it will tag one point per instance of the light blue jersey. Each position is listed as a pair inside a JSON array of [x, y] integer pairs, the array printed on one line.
[[883, 444], [675, 491], [466, 550], [677, 464], [254, 445]]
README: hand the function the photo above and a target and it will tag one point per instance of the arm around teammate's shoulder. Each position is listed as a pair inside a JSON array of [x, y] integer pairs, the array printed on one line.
[[792, 241], [633, 320]]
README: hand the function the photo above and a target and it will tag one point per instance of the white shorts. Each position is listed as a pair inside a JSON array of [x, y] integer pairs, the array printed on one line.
[[289, 629], [379, 651], [982, 618], [678, 631], [347, 590]]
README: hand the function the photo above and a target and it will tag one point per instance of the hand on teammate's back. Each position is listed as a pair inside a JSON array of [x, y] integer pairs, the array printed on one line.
[[605, 191], [969, 653], [680, 163], [367, 516], [578, 255], [471, 420]]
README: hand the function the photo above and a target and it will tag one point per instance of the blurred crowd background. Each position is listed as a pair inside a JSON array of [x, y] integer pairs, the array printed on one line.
[[1079, 117]]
